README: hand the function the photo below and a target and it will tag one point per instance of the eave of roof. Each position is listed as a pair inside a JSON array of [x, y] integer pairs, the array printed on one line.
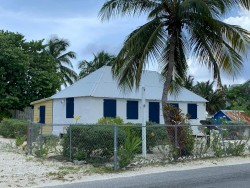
[[41, 100], [102, 84]]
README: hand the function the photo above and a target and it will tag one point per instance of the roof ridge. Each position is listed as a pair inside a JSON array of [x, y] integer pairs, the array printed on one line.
[[98, 81]]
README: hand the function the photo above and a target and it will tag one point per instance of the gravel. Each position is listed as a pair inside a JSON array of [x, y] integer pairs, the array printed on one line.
[[20, 170]]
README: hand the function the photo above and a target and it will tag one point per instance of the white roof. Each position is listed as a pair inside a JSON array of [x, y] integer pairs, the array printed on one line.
[[101, 84]]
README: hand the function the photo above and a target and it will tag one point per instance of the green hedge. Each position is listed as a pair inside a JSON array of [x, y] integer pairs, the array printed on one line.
[[91, 143], [13, 128]]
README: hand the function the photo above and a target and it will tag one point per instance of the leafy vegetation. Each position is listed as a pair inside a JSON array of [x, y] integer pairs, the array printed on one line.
[[56, 48], [129, 148], [91, 143], [172, 29], [100, 59], [238, 97], [13, 128], [110, 121], [216, 98], [28, 72], [180, 136]]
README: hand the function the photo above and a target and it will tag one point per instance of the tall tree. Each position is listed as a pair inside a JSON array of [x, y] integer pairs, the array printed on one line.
[[188, 82], [177, 29], [100, 59], [238, 97], [27, 72], [216, 99], [57, 48]]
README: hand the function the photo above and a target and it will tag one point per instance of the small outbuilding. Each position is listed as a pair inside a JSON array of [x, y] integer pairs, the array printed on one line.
[[231, 115], [98, 95]]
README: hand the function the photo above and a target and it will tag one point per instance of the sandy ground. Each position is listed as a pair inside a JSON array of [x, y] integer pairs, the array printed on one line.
[[19, 170]]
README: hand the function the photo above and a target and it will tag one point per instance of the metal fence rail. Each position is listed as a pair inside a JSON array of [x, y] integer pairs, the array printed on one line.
[[119, 146]]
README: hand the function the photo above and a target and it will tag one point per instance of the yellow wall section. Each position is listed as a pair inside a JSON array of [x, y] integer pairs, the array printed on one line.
[[47, 128]]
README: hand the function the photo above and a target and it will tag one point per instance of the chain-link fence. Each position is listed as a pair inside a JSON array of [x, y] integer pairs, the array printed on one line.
[[119, 146]]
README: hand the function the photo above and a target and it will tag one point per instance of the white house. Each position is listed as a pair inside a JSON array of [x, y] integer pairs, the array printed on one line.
[[98, 95]]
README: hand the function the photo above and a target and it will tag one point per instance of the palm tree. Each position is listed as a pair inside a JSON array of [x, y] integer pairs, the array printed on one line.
[[177, 29], [216, 99], [188, 82], [57, 49], [100, 59]]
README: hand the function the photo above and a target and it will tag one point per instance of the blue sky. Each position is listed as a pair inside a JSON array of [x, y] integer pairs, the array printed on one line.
[[77, 21]]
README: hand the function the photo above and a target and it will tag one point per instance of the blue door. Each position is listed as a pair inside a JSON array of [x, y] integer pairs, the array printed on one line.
[[42, 114], [154, 112]]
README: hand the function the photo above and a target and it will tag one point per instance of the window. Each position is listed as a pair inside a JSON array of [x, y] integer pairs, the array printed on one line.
[[154, 112], [109, 108], [132, 109], [192, 111], [176, 105], [69, 107], [42, 114]]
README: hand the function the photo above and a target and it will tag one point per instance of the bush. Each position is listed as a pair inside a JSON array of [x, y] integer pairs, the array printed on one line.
[[46, 144], [20, 140], [128, 149], [236, 148], [4, 114], [217, 145], [110, 121], [13, 128], [91, 143]]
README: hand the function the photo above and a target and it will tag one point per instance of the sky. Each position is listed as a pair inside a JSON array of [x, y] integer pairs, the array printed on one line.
[[78, 22]]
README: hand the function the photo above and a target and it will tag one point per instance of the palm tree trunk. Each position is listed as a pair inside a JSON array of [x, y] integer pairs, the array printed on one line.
[[175, 134], [167, 82], [166, 86]]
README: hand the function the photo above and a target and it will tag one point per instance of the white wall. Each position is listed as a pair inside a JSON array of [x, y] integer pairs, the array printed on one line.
[[90, 110], [83, 107]]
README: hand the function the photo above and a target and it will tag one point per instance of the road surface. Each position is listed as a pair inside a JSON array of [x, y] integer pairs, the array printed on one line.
[[234, 176]]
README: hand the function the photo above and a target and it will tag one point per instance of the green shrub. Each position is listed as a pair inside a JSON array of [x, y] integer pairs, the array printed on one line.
[[13, 128], [20, 140], [217, 145], [110, 121], [128, 150], [41, 152], [156, 135], [91, 143], [236, 148], [51, 142], [4, 114]]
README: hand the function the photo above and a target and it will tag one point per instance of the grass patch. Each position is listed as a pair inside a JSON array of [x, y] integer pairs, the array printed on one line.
[[63, 171]]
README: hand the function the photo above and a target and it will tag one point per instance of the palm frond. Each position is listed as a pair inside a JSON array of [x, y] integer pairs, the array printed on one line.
[[141, 45], [113, 8]]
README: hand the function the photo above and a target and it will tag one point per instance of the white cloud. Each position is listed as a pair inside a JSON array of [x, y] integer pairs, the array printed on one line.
[[87, 34]]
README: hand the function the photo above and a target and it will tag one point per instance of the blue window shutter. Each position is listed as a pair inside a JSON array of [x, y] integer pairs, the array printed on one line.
[[69, 107], [132, 109], [154, 112], [109, 108], [176, 105], [42, 114], [192, 111]]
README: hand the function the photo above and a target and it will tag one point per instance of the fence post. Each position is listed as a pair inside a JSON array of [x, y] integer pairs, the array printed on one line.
[[29, 138], [41, 140], [175, 136], [222, 140], [144, 131], [115, 147], [70, 142]]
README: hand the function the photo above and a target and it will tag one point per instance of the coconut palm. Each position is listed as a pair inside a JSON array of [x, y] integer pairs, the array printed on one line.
[[188, 82], [100, 59], [58, 50], [216, 99], [176, 30]]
